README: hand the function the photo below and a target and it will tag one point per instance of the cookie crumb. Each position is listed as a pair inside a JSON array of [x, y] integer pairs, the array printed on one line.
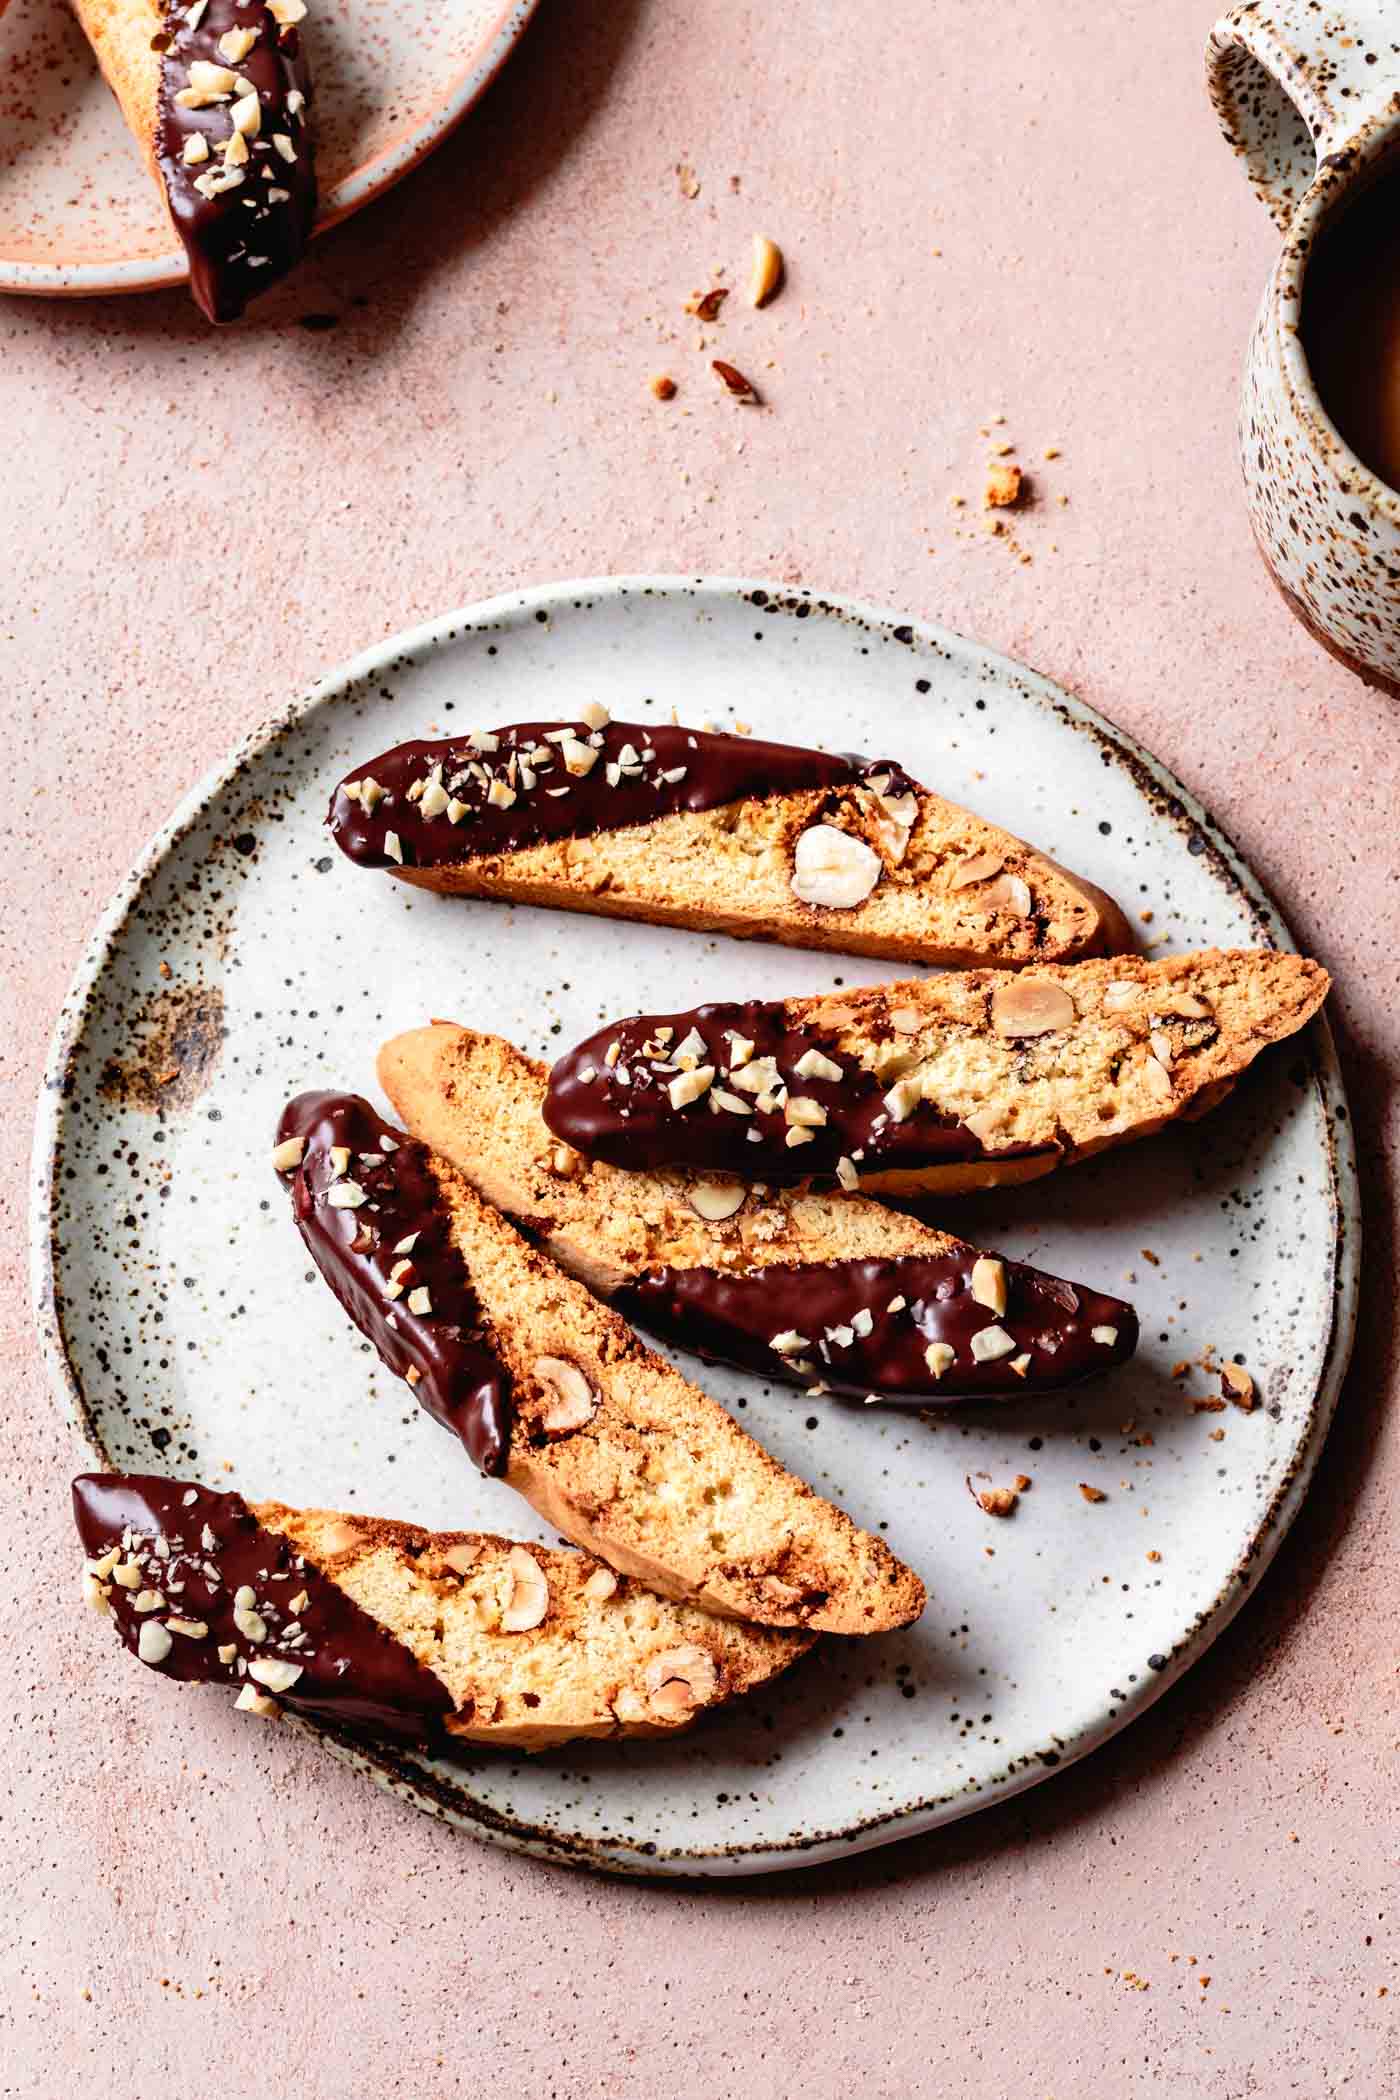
[[1003, 487], [663, 386]]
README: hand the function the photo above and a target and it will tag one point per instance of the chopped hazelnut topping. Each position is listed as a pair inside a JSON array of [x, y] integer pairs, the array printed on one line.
[[287, 13], [500, 796], [420, 1301], [190, 1629], [594, 714], [863, 1321], [788, 1343], [689, 1086], [284, 146], [434, 799], [251, 1701], [153, 1643], [286, 1157], [370, 793], [1021, 1364], [247, 115], [234, 149], [846, 1174], [195, 149], [340, 1159], [148, 1600], [275, 1673], [938, 1356], [1105, 1336], [208, 83], [903, 1098], [801, 1108], [722, 1098], [814, 1065], [346, 1195], [235, 44], [227, 1652], [798, 1135], [217, 180], [990, 1344], [393, 847], [96, 1595], [989, 1283]]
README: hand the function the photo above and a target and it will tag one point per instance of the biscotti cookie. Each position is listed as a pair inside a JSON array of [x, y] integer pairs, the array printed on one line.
[[825, 1290], [543, 1384], [725, 834], [387, 1628], [948, 1083], [216, 93]]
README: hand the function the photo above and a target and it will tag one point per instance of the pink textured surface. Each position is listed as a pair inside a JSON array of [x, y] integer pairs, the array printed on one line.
[[192, 529]]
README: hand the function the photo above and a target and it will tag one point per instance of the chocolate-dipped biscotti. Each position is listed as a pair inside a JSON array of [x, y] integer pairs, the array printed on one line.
[[725, 834], [554, 1391], [217, 94], [946, 1084], [383, 1627], [822, 1289]]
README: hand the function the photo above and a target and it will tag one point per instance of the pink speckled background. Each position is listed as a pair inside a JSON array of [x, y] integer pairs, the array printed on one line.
[[986, 211]]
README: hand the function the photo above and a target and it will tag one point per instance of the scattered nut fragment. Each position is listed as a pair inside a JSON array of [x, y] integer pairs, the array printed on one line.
[[575, 1402], [153, 1643], [601, 1585], [275, 1673], [1021, 1483], [997, 1502], [716, 1200], [989, 1283], [195, 149], [767, 272], [1237, 1385], [565, 1161], [235, 44], [1091, 1494], [903, 1098], [286, 1157], [848, 1174], [980, 868], [938, 1356], [832, 869], [990, 1344], [706, 305], [688, 179], [96, 1595], [529, 1592], [663, 386], [734, 383], [813, 1064], [679, 1679], [251, 1701], [1031, 1006], [802, 1109], [462, 1555], [1003, 486], [1105, 1336], [689, 1086]]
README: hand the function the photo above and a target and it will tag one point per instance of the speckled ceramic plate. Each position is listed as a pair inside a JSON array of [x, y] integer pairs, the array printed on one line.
[[79, 214], [244, 960]]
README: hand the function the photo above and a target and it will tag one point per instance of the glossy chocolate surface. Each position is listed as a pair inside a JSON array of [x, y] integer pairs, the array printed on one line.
[[192, 1555], [251, 231], [377, 1230], [621, 1111], [818, 1309], [640, 771]]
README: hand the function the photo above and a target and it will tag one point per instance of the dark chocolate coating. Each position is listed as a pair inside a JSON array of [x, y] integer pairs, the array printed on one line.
[[629, 1122], [353, 1670], [716, 768], [458, 1377], [733, 1319], [242, 240]]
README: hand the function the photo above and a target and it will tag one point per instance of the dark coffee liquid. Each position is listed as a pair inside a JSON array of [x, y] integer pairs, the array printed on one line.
[[1351, 326]]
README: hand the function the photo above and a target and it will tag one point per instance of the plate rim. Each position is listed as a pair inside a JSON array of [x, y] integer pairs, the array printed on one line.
[[366, 181], [400, 1775]]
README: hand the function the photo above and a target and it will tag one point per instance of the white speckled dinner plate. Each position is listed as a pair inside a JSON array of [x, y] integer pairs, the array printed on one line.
[[79, 213], [244, 960]]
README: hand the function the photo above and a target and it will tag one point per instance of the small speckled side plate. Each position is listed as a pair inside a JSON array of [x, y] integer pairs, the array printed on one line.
[[244, 960], [79, 213]]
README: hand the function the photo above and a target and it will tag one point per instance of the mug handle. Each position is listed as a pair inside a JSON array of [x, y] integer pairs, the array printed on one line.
[[1293, 83]]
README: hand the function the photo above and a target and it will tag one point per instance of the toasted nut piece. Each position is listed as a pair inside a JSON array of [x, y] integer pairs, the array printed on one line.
[[275, 1672], [601, 1585], [194, 151], [938, 1356], [1159, 1079], [96, 1595], [340, 1536], [680, 1679], [734, 383], [904, 1021], [575, 1402], [716, 1200], [251, 1701], [191, 1629], [235, 44], [1104, 1336], [990, 1344], [767, 272], [832, 869], [989, 1282], [579, 758], [1186, 1006], [1091, 1494], [903, 1098], [463, 1555], [529, 1592], [804, 1110], [1237, 1385], [813, 1064], [689, 1086], [153, 1643], [1160, 1046], [848, 1174], [247, 115], [706, 305], [1008, 893], [1119, 996], [287, 1156], [1031, 1006], [663, 386], [998, 1502], [1003, 485], [980, 868]]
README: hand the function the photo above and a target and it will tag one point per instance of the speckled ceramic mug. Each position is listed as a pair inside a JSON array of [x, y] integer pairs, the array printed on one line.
[[1309, 96]]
